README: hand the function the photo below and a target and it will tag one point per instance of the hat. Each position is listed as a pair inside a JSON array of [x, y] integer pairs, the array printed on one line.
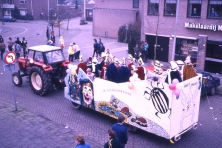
[[95, 60], [71, 44], [173, 65], [188, 60], [130, 57], [80, 58], [133, 67], [157, 63], [140, 61]]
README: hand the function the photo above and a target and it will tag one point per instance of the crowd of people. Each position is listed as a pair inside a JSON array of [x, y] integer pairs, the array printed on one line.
[[117, 136], [18, 46]]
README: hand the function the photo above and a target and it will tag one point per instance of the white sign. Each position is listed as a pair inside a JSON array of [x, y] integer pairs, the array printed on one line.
[[212, 27]]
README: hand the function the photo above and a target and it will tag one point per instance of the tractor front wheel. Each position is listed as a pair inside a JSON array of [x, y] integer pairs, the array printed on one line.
[[17, 79], [40, 82]]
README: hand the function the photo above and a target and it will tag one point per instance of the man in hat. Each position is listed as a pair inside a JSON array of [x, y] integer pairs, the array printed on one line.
[[141, 71], [95, 69], [104, 68], [131, 61], [81, 65], [173, 73], [188, 70], [124, 72]]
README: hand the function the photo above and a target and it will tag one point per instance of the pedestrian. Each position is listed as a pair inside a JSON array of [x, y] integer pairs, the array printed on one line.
[[145, 50], [50, 43], [41, 15], [18, 41], [121, 131], [99, 42], [24, 46], [10, 44], [113, 140], [18, 49], [53, 38], [101, 49], [1, 39], [2, 49], [76, 50], [95, 46], [62, 43], [80, 142], [71, 52], [136, 52], [47, 33]]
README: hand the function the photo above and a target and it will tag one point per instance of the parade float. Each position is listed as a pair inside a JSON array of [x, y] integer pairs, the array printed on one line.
[[166, 110]]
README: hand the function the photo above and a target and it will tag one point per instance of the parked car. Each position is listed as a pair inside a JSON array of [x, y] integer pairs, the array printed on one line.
[[8, 19], [209, 84]]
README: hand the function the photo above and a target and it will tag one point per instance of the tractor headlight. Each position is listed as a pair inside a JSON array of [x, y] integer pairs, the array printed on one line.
[[31, 61]]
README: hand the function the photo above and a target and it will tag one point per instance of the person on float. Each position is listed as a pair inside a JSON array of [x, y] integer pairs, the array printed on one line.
[[131, 61], [112, 71], [141, 70], [157, 67], [173, 73], [95, 65], [101, 64], [108, 53], [81, 65], [90, 74], [124, 72], [104, 68], [89, 63], [188, 70], [134, 75]]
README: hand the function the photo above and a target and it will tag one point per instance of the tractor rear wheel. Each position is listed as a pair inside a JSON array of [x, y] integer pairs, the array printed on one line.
[[17, 79], [40, 82]]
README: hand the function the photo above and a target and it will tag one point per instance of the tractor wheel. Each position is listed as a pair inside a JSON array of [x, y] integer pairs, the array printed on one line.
[[213, 91], [17, 79], [40, 82]]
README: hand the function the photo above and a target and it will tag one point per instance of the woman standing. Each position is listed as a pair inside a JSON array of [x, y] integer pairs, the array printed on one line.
[[2, 49], [80, 142], [10, 43]]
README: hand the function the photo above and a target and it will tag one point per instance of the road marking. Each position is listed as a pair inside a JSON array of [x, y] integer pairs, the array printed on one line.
[[18, 33]]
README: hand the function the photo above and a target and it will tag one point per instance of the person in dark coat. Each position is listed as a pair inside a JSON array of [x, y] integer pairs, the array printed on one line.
[[1, 39], [53, 38], [95, 46], [24, 46], [121, 131], [111, 73], [124, 72], [2, 49], [113, 140], [18, 41], [173, 73]]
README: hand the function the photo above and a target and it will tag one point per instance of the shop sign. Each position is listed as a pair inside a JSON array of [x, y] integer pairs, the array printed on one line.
[[212, 27]]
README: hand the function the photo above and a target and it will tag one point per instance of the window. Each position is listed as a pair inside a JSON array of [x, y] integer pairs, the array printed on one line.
[[153, 7], [22, 1], [215, 9], [135, 3], [194, 8], [170, 7]]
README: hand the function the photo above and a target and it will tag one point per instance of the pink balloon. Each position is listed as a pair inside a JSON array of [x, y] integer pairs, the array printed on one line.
[[176, 92], [175, 81], [68, 71], [130, 85], [172, 86]]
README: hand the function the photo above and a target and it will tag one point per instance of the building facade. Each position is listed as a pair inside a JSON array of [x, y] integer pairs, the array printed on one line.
[[109, 15], [198, 31]]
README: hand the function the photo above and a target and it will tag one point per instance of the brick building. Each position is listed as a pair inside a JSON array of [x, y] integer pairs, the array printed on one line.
[[198, 33]]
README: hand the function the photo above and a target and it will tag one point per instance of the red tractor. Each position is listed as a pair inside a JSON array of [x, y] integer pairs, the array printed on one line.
[[45, 66]]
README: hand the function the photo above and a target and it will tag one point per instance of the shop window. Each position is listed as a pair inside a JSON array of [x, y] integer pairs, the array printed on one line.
[[7, 2], [22, 1], [214, 50], [194, 8], [170, 7], [135, 3], [186, 47], [215, 9], [153, 7]]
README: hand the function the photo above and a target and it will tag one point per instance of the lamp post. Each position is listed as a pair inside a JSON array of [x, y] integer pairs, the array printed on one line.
[[127, 27], [175, 31]]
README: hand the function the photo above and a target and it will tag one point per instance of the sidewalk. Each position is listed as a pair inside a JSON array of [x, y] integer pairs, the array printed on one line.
[[24, 129]]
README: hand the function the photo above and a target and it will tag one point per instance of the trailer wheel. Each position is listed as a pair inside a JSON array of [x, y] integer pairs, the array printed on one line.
[[40, 82], [131, 128], [17, 79], [76, 105]]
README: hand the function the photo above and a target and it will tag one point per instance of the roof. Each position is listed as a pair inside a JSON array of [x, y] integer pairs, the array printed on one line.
[[44, 48]]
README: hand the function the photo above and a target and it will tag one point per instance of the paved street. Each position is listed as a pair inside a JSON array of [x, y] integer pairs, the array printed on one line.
[[51, 121]]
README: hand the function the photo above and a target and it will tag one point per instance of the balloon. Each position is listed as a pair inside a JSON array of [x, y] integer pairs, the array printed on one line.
[[172, 86], [73, 72], [130, 85], [131, 79], [68, 71], [179, 86], [175, 81], [176, 92]]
